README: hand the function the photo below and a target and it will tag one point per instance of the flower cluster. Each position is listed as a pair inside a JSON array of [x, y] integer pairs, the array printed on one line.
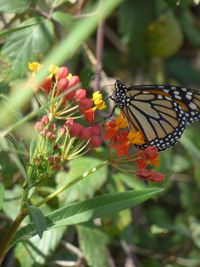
[[68, 99], [123, 142], [121, 139], [64, 133]]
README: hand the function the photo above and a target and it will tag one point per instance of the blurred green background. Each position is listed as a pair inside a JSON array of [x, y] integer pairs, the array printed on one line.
[[152, 42]]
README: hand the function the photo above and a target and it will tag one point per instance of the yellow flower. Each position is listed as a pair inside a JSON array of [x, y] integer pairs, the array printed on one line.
[[121, 122], [34, 66], [97, 96], [69, 76], [53, 69], [98, 100], [135, 138]]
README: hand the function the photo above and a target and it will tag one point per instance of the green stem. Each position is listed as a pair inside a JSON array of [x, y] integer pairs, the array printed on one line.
[[66, 186], [5, 245]]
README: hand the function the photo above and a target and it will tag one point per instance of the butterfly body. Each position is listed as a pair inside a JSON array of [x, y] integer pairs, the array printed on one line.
[[161, 113]]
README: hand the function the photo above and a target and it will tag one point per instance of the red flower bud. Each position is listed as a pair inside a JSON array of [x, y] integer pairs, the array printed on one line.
[[95, 130], [70, 96], [85, 104], [157, 177], [74, 80], [150, 153], [85, 133], [80, 94], [52, 127], [144, 174], [150, 175], [96, 141], [89, 115], [69, 122], [47, 85], [75, 129], [63, 84], [39, 126], [45, 119], [62, 73], [62, 131]]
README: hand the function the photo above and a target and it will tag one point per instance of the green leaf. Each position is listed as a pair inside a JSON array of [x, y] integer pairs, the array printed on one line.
[[133, 27], [88, 210], [63, 18], [12, 202], [192, 30], [28, 44], [57, 3], [195, 230], [179, 3], [130, 181], [191, 148], [38, 219], [91, 237], [14, 6], [1, 195], [8, 32], [40, 249], [182, 71], [88, 186]]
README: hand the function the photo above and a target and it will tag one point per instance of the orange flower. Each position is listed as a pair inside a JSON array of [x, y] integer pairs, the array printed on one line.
[[149, 156], [135, 138]]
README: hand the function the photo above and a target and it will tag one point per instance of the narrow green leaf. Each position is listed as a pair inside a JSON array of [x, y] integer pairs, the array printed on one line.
[[38, 219], [14, 6], [1, 195], [88, 210], [91, 237]]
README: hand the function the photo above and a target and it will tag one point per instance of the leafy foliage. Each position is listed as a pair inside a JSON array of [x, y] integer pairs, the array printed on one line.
[[105, 217]]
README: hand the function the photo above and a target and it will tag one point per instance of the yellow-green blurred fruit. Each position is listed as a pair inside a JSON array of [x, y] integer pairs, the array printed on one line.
[[164, 36]]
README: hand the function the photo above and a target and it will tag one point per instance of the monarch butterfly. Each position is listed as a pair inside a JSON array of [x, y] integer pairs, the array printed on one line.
[[160, 112]]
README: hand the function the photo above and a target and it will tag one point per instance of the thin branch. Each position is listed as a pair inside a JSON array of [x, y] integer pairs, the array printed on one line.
[[99, 51], [114, 39]]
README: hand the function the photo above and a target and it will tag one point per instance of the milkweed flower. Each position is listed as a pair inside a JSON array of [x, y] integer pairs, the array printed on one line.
[[124, 144], [150, 175], [68, 129], [34, 66]]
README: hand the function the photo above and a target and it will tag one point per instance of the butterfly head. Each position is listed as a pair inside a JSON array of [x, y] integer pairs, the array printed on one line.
[[120, 96]]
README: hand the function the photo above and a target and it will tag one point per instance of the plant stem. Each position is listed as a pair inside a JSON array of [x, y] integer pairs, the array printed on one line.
[[66, 186], [5, 245], [99, 50]]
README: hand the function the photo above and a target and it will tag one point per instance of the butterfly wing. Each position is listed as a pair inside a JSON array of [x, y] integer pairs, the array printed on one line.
[[187, 98], [160, 119]]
